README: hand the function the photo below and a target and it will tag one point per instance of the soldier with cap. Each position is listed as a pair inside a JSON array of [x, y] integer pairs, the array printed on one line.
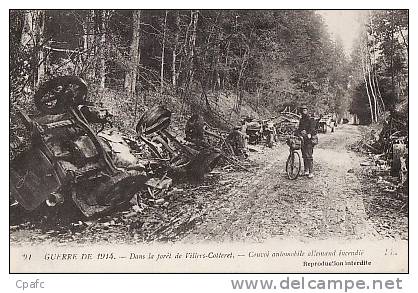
[[307, 130]]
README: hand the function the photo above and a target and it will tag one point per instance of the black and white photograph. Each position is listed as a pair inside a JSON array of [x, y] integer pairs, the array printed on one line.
[[197, 140]]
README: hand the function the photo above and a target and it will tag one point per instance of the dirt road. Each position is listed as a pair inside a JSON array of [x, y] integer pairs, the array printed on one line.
[[244, 206], [266, 204]]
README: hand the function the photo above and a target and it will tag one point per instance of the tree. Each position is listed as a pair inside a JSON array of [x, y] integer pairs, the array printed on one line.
[[390, 29], [268, 59], [33, 36], [102, 20], [135, 53], [162, 53], [382, 51]]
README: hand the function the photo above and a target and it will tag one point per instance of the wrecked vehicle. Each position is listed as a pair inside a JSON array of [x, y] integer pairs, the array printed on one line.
[[98, 171], [191, 159], [201, 134], [67, 161], [254, 131], [325, 122]]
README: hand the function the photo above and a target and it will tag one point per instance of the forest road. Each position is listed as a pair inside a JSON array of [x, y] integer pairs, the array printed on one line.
[[265, 204], [230, 205]]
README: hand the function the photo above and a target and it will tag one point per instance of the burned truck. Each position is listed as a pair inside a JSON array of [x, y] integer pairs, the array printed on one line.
[[67, 160], [97, 171]]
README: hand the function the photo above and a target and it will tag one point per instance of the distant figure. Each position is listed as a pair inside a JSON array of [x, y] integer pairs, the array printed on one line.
[[237, 140], [307, 130], [195, 129], [243, 131]]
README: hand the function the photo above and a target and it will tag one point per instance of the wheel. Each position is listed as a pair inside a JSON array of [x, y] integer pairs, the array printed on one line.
[[155, 119], [293, 165], [57, 94]]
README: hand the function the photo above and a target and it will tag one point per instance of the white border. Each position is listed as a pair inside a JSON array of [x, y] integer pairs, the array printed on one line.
[[188, 283]]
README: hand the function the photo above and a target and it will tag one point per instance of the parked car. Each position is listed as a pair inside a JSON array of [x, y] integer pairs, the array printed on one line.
[[326, 122], [254, 131]]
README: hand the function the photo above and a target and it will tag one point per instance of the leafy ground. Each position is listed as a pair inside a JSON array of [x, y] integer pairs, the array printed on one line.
[[343, 201]]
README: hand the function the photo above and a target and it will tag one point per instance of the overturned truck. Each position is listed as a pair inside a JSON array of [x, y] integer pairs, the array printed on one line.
[[97, 171]]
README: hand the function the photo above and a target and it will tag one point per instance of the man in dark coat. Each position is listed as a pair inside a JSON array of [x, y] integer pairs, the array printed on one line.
[[307, 130]]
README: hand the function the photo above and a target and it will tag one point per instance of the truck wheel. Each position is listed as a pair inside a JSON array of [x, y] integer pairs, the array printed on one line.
[[55, 95]]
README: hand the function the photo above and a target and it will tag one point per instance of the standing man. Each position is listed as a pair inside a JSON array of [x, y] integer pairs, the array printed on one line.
[[243, 130], [307, 130]]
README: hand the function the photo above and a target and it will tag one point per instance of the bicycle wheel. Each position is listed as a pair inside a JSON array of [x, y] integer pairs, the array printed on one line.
[[293, 165]]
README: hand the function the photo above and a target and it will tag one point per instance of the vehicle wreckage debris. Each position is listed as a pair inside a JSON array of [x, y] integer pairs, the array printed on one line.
[[387, 151], [69, 163]]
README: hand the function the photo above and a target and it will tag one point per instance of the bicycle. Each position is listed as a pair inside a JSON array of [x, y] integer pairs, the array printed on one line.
[[293, 163]]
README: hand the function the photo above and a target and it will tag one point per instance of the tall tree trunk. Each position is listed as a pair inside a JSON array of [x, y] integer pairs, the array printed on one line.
[[373, 87], [217, 76], [238, 85], [376, 112], [373, 95], [258, 98], [367, 88], [135, 54], [176, 43], [40, 41], [88, 58], [372, 63], [392, 53], [192, 44], [162, 54], [212, 54], [368, 67], [225, 79], [33, 36], [102, 49], [378, 91]]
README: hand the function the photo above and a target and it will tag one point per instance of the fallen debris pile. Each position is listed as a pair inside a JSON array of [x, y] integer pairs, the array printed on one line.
[[388, 150], [286, 123]]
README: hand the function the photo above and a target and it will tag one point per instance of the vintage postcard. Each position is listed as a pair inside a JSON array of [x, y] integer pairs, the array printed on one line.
[[209, 141]]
